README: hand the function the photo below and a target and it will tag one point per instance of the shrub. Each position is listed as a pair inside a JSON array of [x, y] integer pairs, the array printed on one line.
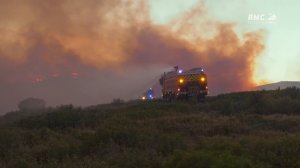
[[209, 159], [32, 104]]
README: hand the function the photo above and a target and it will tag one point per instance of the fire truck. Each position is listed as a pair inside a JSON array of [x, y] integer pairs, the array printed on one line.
[[183, 85]]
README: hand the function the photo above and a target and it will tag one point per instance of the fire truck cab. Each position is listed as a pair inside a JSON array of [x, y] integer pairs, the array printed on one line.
[[180, 84]]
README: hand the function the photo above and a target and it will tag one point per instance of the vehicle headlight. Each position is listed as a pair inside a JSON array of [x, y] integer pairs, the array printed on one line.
[[202, 79]]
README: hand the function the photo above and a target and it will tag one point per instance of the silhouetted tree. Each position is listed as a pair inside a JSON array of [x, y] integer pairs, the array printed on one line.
[[117, 101], [30, 104]]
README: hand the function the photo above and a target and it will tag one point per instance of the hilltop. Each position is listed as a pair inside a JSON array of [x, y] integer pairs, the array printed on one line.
[[246, 129], [279, 85]]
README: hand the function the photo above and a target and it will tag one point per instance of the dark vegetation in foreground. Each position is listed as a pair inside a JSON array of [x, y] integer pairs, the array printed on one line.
[[248, 129]]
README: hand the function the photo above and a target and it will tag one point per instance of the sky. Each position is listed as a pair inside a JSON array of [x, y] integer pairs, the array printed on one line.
[[281, 57], [90, 52]]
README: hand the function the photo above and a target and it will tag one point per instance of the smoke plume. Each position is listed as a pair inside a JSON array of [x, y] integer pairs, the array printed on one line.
[[108, 39]]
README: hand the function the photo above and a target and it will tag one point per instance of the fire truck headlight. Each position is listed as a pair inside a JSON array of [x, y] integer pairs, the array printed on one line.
[[181, 81], [202, 79]]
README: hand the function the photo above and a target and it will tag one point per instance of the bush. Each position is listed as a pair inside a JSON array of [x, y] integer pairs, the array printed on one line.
[[32, 104], [209, 159]]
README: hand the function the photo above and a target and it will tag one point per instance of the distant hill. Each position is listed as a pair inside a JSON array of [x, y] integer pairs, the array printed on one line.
[[281, 85]]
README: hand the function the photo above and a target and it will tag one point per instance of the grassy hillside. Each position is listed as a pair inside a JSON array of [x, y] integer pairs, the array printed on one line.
[[249, 129]]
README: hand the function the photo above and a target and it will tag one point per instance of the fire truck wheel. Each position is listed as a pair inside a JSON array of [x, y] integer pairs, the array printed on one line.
[[200, 98], [186, 97]]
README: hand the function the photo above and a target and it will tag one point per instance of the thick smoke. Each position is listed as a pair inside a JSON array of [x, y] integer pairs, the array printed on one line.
[[90, 41]]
